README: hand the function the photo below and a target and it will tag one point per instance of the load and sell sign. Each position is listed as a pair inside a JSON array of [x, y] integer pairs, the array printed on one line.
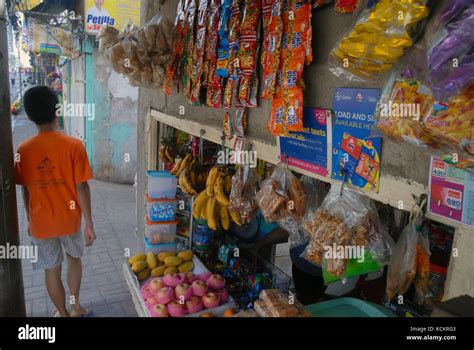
[[355, 156]]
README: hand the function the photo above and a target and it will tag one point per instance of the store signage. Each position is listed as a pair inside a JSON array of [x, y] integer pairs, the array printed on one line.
[[451, 192], [355, 156], [115, 13], [43, 38], [308, 150]]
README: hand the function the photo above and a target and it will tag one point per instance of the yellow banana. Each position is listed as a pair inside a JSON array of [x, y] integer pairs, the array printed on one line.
[[203, 212], [235, 217], [199, 204], [188, 184], [186, 161], [163, 157], [176, 167], [169, 155], [219, 192], [224, 217], [211, 213], [213, 174]]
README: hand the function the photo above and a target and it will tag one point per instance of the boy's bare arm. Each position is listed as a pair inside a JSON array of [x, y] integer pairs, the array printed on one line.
[[26, 203], [84, 198]]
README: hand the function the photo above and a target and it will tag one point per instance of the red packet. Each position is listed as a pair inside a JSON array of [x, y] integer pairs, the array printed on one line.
[[367, 168], [351, 145]]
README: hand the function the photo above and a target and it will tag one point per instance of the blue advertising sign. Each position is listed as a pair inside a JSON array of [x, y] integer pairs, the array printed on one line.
[[308, 150], [354, 154]]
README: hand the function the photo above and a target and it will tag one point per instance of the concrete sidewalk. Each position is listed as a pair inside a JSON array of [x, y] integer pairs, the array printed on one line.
[[103, 287]]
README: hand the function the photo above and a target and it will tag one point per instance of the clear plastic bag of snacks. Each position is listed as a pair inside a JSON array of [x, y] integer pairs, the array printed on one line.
[[378, 39]]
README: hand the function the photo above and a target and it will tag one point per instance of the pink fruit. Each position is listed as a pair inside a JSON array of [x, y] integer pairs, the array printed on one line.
[[173, 279], [164, 295], [210, 300], [146, 291], [204, 276], [199, 288], [150, 301], [159, 310], [157, 283], [223, 295], [216, 282], [189, 277], [176, 309], [194, 305], [183, 290]]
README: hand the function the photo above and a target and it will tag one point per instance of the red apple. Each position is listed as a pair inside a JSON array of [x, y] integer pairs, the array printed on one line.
[[183, 290], [164, 295], [194, 305], [210, 300], [199, 288], [176, 309], [157, 283], [216, 282], [159, 310]]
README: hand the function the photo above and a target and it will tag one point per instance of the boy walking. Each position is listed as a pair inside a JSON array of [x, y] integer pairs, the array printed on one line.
[[53, 170]]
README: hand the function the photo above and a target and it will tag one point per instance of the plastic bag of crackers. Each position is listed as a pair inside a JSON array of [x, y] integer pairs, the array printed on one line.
[[273, 303], [347, 219]]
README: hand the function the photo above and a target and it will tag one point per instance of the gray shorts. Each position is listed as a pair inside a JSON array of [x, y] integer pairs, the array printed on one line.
[[50, 251]]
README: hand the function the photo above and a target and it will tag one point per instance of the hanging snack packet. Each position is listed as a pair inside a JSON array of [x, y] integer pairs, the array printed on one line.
[[452, 123], [223, 49], [379, 38], [271, 62], [403, 264], [266, 16], [277, 114], [401, 108], [294, 117], [199, 51], [213, 94], [346, 6], [188, 59]]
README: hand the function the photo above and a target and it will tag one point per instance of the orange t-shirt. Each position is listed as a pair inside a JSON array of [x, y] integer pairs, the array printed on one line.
[[50, 165]]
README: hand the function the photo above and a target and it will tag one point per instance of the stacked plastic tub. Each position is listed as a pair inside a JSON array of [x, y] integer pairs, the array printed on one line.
[[161, 203]]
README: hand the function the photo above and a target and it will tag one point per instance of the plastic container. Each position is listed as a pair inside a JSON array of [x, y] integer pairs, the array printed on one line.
[[159, 210], [161, 184], [159, 248], [202, 235], [347, 307], [160, 232]]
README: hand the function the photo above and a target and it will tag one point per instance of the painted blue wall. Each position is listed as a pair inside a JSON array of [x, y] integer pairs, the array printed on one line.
[[115, 125]]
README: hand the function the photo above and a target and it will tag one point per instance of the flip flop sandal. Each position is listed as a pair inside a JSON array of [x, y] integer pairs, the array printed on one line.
[[87, 314], [55, 313]]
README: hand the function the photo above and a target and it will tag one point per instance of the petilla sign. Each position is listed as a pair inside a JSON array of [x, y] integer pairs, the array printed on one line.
[[116, 13]]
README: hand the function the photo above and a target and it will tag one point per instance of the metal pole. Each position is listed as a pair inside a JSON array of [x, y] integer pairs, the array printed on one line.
[[12, 301]]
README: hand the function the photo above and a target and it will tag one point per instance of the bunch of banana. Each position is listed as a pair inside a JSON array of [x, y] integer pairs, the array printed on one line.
[[185, 183], [182, 164], [166, 153], [218, 186]]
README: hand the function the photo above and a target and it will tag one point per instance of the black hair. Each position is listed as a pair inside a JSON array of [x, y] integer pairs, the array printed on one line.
[[41, 104]]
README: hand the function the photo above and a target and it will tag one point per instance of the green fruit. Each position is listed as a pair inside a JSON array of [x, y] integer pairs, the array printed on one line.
[[186, 255], [139, 266], [136, 258], [173, 261], [158, 271], [151, 260], [186, 266], [143, 274], [171, 270]]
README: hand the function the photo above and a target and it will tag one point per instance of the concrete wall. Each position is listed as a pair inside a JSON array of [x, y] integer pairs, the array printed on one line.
[[397, 160], [115, 124]]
